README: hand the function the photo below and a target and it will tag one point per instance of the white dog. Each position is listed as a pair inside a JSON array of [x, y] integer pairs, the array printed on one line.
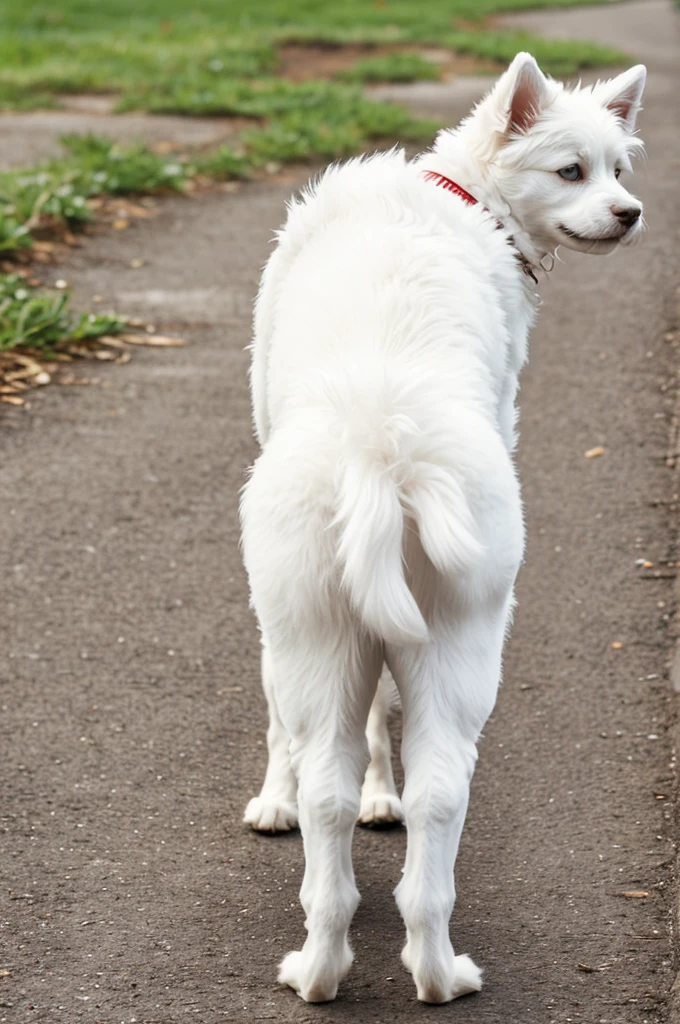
[[382, 522]]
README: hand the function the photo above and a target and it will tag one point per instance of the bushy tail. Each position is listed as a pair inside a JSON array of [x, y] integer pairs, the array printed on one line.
[[378, 486]]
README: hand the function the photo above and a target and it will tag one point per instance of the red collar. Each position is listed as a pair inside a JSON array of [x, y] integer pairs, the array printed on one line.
[[452, 186]]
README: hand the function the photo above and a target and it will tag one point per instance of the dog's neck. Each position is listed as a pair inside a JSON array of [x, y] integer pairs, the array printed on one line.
[[452, 157]]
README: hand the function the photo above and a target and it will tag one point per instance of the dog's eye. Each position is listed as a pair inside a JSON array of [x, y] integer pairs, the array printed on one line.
[[617, 173], [571, 173]]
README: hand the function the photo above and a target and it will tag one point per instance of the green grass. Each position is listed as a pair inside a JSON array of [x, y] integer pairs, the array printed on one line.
[[58, 191], [393, 67], [42, 321], [214, 56], [57, 194], [139, 16]]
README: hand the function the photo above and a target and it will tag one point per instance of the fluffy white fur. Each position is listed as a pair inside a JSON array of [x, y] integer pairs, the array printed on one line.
[[382, 523]]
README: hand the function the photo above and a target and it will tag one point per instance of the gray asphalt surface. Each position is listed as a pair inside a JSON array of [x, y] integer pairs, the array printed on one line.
[[132, 724]]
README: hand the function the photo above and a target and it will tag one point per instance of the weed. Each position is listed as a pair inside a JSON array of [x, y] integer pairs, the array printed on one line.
[[59, 190], [42, 320], [224, 162]]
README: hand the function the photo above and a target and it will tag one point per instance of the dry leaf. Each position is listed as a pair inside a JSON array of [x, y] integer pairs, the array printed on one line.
[[648, 565], [617, 645], [155, 340], [593, 453], [30, 369], [108, 339], [136, 210], [44, 246], [124, 357], [120, 224], [11, 399]]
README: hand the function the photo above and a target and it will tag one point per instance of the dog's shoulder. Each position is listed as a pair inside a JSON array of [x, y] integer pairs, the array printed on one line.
[[384, 188], [360, 186]]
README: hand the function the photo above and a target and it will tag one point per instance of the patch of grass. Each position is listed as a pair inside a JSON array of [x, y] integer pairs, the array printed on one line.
[[558, 57], [42, 321], [393, 67], [334, 130], [314, 119], [224, 163], [58, 191], [100, 165], [168, 17], [165, 54], [46, 64]]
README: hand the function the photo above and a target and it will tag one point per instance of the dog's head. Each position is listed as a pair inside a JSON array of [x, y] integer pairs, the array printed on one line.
[[554, 155]]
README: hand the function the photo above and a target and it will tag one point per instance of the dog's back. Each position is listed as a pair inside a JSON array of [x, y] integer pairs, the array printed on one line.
[[382, 368]]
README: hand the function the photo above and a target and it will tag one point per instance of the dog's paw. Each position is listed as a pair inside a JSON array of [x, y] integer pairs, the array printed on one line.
[[314, 981], [271, 815], [439, 984], [380, 810], [467, 976]]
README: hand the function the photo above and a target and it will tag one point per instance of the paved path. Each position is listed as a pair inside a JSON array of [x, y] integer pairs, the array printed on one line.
[[132, 721]]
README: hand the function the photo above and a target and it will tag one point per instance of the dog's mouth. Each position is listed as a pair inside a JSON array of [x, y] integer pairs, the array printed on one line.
[[590, 240]]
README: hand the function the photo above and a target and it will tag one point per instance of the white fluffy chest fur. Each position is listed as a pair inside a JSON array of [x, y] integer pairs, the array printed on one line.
[[379, 271]]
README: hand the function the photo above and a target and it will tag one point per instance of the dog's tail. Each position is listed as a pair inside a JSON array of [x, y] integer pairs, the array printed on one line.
[[393, 472]]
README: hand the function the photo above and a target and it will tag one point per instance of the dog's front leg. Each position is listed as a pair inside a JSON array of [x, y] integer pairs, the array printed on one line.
[[275, 809]]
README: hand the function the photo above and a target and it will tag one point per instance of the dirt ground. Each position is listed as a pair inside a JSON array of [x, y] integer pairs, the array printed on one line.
[[131, 718]]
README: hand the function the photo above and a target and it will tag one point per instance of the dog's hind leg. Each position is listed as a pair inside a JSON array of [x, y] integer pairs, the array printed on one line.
[[324, 702], [275, 809], [448, 688], [380, 803]]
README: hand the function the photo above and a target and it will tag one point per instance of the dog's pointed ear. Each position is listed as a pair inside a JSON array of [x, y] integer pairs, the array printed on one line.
[[622, 95], [527, 92], [510, 108]]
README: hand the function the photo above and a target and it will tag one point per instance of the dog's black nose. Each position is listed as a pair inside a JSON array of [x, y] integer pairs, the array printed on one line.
[[626, 214]]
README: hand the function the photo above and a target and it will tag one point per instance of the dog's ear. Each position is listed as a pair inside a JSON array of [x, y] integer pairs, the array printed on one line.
[[622, 95], [526, 91], [511, 107]]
